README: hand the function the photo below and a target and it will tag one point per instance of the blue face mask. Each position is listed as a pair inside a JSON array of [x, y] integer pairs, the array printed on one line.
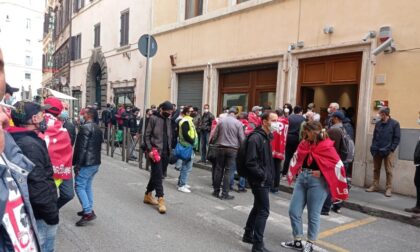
[[64, 115]]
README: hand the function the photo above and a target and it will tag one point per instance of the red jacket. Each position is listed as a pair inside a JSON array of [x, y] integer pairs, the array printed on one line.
[[247, 127], [254, 120], [329, 163], [278, 145]]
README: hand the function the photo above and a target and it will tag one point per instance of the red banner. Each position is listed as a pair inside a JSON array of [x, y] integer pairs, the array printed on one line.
[[279, 142]]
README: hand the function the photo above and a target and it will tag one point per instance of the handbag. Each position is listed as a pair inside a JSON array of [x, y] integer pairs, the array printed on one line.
[[183, 152], [212, 153]]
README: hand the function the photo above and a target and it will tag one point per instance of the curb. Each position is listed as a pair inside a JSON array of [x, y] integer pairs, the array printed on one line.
[[363, 207]]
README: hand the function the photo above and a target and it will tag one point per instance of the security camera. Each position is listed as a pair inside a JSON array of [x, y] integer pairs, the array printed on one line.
[[385, 46], [370, 35]]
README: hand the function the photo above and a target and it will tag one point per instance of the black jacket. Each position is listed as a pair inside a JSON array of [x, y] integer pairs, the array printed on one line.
[[71, 129], [386, 137], [87, 151], [42, 189], [205, 122], [259, 158], [417, 154], [106, 116]]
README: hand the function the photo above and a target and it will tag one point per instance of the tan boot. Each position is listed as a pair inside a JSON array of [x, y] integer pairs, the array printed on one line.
[[149, 199], [372, 189], [161, 207], [388, 192]]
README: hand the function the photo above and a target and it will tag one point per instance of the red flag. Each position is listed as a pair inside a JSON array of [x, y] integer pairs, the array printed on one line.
[[279, 142], [330, 164], [59, 147]]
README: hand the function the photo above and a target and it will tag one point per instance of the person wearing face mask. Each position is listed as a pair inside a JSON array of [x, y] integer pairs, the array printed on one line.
[[187, 137], [205, 128], [333, 107], [288, 109], [29, 121], [68, 125], [316, 163], [157, 138], [254, 117], [386, 138], [260, 169], [279, 147]]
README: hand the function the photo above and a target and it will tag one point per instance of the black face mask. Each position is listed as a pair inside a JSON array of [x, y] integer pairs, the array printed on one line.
[[43, 126], [166, 114]]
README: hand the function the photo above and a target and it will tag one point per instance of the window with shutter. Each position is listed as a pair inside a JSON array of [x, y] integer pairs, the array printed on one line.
[[97, 32], [193, 8]]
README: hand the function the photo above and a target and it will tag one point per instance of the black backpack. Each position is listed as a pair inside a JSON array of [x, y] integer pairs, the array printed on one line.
[[241, 158], [346, 147]]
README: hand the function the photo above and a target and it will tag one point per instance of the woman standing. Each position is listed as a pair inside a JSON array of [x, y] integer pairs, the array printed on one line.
[[316, 161]]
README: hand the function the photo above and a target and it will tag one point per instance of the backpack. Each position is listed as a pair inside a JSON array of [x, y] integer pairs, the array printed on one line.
[[241, 158], [346, 147]]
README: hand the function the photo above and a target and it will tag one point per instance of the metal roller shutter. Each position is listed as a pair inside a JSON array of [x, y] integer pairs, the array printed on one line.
[[190, 89]]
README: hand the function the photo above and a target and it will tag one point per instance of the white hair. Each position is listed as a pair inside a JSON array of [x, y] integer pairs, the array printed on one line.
[[335, 105]]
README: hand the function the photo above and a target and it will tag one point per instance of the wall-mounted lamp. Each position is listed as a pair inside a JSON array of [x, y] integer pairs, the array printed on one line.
[[291, 47], [328, 29], [369, 35], [173, 58]]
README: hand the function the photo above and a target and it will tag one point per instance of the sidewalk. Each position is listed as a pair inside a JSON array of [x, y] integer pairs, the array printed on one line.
[[375, 204]]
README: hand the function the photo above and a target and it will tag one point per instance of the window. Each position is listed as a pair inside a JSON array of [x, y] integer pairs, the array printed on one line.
[[97, 32], [78, 4], [240, 100], [125, 17], [28, 24], [76, 47], [28, 60], [193, 8], [27, 76], [241, 1]]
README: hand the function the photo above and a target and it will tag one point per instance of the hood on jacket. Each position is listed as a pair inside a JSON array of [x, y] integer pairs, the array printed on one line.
[[14, 154]]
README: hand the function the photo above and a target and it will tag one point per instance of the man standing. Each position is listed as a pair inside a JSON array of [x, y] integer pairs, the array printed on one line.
[[106, 117], [333, 107], [157, 139], [228, 135], [86, 160], [260, 167], [205, 128], [254, 117], [60, 150], [292, 142], [187, 137], [416, 209], [29, 121], [386, 138]]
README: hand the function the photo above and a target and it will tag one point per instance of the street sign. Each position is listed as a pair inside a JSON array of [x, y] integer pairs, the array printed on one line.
[[143, 42]]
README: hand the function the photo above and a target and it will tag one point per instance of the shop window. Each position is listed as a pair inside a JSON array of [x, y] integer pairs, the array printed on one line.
[[124, 96], [267, 99], [193, 8], [240, 100]]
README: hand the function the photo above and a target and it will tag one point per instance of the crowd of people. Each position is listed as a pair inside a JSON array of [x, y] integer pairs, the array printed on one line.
[[45, 161]]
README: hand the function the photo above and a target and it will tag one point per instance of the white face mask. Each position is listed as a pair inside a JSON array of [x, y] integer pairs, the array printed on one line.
[[206, 110], [274, 127], [286, 110]]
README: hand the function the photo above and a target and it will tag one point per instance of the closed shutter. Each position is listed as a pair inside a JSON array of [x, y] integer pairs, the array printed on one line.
[[190, 89]]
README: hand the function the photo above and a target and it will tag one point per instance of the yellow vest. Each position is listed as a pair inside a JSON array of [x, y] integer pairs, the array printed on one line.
[[191, 132]]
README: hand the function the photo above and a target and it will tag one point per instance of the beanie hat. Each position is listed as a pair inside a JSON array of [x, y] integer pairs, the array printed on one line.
[[167, 105]]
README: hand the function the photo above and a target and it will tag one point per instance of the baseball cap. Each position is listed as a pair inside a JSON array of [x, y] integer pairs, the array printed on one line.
[[10, 89], [385, 110], [55, 105], [233, 110], [255, 108], [24, 110], [339, 114]]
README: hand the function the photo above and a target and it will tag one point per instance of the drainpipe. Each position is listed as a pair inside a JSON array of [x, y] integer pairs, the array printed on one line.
[[209, 73]]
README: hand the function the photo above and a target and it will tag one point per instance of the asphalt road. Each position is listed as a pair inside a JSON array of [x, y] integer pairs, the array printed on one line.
[[200, 222]]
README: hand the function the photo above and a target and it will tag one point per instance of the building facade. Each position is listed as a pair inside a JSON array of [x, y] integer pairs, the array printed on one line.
[[106, 65], [269, 52], [21, 43]]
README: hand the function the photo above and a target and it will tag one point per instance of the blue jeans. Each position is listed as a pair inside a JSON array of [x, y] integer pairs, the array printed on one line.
[[46, 235], [66, 192], [185, 171], [241, 182], [84, 187], [309, 191], [204, 141]]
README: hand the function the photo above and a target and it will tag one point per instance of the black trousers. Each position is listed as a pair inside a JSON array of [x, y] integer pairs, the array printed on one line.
[[417, 183], [225, 160], [277, 173], [291, 146], [258, 216], [155, 181]]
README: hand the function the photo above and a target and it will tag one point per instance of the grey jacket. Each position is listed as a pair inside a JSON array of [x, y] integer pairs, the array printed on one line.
[[19, 167], [229, 133], [153, 137]]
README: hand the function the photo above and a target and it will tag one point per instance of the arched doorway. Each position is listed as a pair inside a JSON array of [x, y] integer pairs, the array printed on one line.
[[96, 81]]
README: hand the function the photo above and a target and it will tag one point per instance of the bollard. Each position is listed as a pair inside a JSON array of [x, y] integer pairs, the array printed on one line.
[[113, 141], [140, 152], [124, 146]]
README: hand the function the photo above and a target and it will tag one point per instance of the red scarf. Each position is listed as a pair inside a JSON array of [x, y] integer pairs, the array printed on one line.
[[329, 163], [59, 147], [279, 142]]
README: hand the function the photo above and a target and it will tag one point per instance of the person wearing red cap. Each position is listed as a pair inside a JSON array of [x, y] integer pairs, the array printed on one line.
[[60, 150]]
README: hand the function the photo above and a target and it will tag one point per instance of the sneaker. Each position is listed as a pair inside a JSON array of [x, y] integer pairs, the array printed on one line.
[[227, 197], [308, 247], [242, 190], [177, 168], [184, 189], [413, 210], [215, 194], [388, 193], [292, 245], [188, 186], [81, 213], [372, 189], [86, 218], [247, 238], [325, 213]]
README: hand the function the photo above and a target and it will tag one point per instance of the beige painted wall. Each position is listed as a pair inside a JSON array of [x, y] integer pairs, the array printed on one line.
[[165, 12], [217, 4]]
